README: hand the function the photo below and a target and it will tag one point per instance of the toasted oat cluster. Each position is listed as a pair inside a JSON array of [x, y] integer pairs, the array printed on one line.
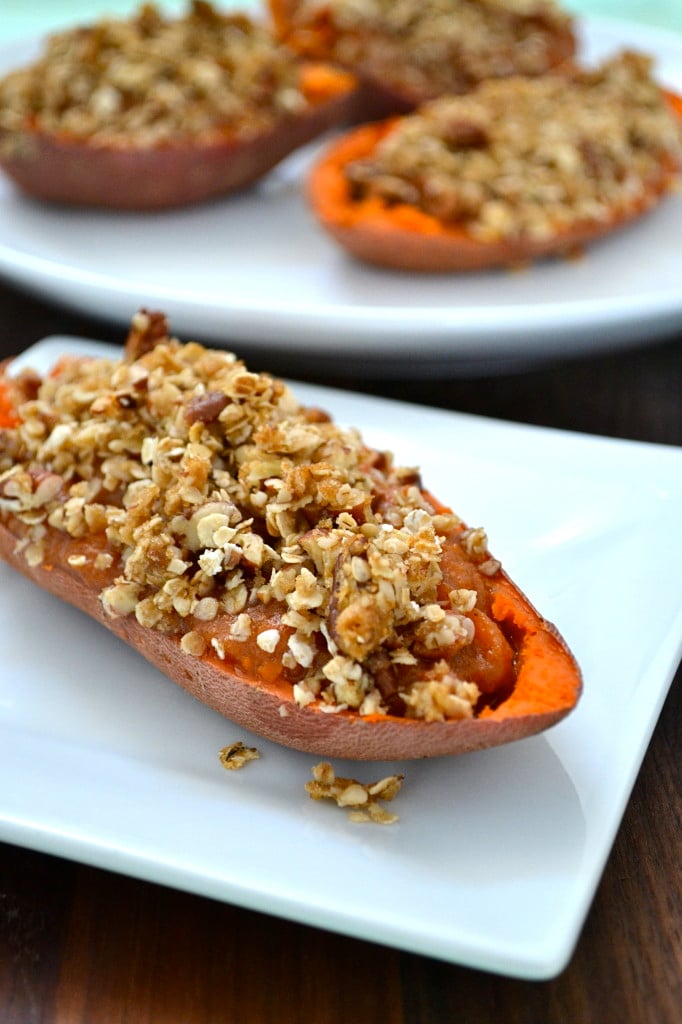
[[236, 755], [228, 514], [439, 46], [528, 156], [150, 79], [361, 799]]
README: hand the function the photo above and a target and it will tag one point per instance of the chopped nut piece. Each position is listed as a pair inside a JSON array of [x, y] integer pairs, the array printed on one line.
[[237, 755], [146, 329], [206, 408]]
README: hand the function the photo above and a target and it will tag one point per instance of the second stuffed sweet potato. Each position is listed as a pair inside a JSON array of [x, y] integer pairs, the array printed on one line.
[[152, 112]]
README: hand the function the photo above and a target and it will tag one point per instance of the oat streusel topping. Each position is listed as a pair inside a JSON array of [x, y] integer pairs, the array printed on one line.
[[151, 79], [529, 156], [228, 514], [438, 46]]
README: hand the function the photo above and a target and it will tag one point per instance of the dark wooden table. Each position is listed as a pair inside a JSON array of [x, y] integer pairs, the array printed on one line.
[[82, 946]]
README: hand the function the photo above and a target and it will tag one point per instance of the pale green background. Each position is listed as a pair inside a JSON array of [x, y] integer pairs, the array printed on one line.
[[27, 17]]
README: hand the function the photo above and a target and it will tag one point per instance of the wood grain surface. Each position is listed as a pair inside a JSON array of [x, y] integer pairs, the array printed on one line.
[[82, 946]]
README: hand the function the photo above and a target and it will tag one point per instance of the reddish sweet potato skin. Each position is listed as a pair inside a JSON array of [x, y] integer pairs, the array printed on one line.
[[60, 169], [548, 682]]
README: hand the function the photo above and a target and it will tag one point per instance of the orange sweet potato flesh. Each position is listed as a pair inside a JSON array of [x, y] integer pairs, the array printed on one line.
[[403, 237], [62, 169], [8, 417], [249, 686]]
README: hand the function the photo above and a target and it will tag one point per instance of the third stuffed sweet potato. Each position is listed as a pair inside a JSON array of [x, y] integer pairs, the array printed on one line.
[[519, 169]]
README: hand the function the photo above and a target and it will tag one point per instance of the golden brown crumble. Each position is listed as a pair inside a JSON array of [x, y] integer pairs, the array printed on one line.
[[237, 755], [529, 156], [440, 46], [151, 79], [261, 527], [360, 798]]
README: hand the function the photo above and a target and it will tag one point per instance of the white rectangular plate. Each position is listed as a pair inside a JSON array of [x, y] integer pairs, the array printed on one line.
[[497, 855]]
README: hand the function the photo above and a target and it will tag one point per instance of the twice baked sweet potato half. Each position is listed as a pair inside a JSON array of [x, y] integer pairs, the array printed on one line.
[[409, 52], [517, 170], [268, 560], [153, 112]]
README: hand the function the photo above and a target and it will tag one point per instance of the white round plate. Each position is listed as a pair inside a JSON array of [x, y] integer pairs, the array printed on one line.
[[255, 272]]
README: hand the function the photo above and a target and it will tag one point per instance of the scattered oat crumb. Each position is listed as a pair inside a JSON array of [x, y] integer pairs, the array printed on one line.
[[237, 755], [359, 797]]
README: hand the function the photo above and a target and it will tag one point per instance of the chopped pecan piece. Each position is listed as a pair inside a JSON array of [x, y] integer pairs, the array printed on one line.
[[26, 385], [386, 681], [206, 408], [460, 133], [146, 331], [314, 415]]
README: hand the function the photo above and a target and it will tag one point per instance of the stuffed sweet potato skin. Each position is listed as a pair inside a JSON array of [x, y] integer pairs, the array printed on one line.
[[149, 111], [547, 687], [402, 237], [391, 592], [57, 168], [405, 83]]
